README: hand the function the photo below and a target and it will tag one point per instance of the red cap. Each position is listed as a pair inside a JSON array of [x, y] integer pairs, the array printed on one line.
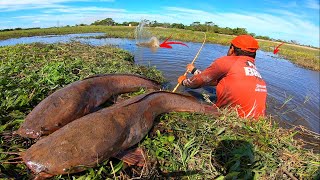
[[246, 43]]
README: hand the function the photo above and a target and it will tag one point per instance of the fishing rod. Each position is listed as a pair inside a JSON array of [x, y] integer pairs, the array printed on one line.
[[194, 59]]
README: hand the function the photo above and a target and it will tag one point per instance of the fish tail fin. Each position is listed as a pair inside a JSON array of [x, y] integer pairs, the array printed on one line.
[[132, 157]]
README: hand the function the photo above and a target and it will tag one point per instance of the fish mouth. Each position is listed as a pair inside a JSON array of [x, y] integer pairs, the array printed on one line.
[[28, 133], [39, 170], [35, 167]]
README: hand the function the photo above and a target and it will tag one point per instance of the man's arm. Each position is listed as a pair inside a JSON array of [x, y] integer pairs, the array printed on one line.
[[208, 77]]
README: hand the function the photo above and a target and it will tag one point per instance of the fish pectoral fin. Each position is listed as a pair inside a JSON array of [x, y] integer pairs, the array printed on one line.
[[132, 157]]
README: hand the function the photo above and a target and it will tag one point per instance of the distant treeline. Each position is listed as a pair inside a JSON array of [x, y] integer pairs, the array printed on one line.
[[16, 29], [195, 26]]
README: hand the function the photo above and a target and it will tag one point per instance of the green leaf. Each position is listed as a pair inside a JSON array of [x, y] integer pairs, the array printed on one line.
[[220, 178], [220, 130], [171, 138]]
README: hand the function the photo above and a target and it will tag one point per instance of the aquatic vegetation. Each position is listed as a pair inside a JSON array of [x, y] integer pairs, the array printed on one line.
[[180, 146]]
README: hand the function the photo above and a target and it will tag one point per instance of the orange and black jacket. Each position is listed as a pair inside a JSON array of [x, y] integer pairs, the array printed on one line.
[[238, 82]]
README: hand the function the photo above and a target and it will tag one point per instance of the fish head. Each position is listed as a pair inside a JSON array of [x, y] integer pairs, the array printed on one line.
[[31, 129], [38, 169], [24, 131]]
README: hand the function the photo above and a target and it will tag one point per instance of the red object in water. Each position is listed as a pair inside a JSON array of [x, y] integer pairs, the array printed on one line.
[[166, 44], [276, 49]]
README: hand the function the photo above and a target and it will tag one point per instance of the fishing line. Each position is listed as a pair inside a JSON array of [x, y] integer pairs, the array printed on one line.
[[194, 59]]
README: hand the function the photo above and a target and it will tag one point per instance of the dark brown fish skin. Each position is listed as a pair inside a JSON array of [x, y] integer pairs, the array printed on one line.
[[98, 136], [78, 99]]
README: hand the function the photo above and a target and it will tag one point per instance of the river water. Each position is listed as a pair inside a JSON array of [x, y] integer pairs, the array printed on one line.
[[293, 92]]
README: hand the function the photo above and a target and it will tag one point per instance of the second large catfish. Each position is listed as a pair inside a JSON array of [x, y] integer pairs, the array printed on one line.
[[78, 99]]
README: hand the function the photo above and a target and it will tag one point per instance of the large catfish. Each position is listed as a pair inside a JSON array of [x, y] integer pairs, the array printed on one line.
[[78, 99], [152, 43], [98, 136]]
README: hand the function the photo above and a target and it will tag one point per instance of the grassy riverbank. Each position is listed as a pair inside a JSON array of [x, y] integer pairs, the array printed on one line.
[[303, 56], [180, 146]]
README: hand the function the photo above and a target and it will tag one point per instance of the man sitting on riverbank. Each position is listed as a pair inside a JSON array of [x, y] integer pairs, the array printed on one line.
[[239, 84]]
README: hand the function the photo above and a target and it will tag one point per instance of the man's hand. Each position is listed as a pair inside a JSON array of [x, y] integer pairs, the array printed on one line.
[[181, 79], [190, 67]]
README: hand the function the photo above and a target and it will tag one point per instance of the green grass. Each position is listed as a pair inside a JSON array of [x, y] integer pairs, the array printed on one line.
[[302, 56], [180, 145], [228, 147], [29, 73], [115, 31]]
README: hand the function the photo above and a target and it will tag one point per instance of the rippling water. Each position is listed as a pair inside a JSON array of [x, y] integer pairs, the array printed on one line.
[[293, 92]]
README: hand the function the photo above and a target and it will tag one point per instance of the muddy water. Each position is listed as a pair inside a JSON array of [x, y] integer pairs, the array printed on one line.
[[293, 92]]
